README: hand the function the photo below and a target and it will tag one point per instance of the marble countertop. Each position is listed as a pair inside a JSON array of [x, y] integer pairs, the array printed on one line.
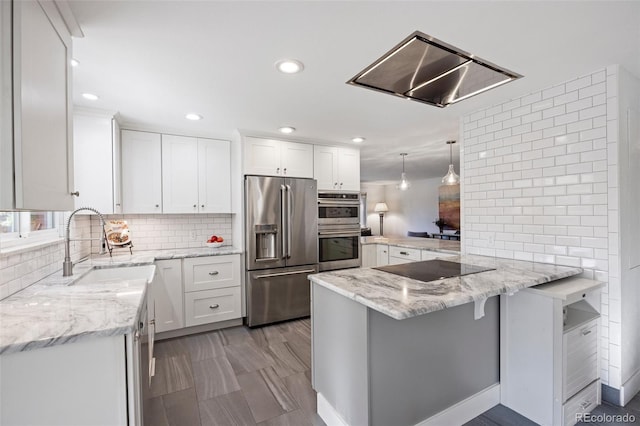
[[52, 312], [401, 298], [433, 244]]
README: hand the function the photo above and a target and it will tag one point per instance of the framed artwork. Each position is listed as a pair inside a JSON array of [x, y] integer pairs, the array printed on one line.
[[449, 205]]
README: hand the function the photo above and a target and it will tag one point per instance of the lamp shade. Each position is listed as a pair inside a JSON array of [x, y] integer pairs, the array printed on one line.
[[381, 208]]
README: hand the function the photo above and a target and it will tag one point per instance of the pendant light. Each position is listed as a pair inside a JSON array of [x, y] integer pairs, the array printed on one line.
[[451, 178], [404, 183]]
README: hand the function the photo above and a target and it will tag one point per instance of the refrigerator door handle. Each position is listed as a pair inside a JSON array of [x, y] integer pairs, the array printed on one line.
[[289, 218], [283, 206], [281, 274]]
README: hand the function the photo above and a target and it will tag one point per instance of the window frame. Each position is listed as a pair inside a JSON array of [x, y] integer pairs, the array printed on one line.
[[25, 237]]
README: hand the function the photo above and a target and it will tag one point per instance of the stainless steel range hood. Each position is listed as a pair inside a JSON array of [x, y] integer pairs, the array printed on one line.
[[425, 69]]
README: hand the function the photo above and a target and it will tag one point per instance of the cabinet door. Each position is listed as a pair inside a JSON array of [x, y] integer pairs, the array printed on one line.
[[296, 159], [141, 172], [43, 148], [179, 174], [325, 167], [6, 109], [93, 161], [382, 251], [214, 176], [348, 169], [369, 255], [167, 294], [262, 157]]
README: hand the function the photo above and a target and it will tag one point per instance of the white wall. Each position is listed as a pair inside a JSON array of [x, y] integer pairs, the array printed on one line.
[[540, 182], [412, 210]]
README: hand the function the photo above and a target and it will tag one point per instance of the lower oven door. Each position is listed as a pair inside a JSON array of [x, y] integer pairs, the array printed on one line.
[[338, 249]]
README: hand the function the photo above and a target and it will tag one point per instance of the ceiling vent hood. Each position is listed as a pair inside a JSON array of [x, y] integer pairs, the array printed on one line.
[[425, 69]]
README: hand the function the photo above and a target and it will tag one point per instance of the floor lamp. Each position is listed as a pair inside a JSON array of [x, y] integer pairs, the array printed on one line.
[[381, 209]]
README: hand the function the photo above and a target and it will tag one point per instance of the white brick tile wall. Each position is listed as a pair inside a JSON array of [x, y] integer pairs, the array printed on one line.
[[22, 267], [551, 160], [171, 231]]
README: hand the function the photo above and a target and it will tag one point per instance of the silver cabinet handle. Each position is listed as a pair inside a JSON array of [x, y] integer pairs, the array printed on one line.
[[75, 194], [285, 170], [281, 274], [216, 306], [136, 336], [202, 206], [335, 184], [213, 273], [340, 184], [585, 404], [195, 205], [404, 253], [278, 170], [585, 332], [157, 205]]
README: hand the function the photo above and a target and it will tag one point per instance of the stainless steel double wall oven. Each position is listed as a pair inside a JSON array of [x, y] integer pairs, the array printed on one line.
[[338, 230]]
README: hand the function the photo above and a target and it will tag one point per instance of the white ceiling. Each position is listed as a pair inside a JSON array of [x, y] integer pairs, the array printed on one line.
[[154, 61]]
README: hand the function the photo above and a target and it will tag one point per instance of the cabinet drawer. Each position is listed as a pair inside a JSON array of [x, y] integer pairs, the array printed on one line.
[[430, 255], [208, 273], [580, 358], [204, 307], [585, 401], [404, 253]]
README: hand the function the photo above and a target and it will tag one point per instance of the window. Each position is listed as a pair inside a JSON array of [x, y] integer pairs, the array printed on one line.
[[20, 228]]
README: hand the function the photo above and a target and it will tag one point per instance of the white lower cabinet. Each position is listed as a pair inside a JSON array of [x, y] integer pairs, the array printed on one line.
[[382, 254], [207, 306], [167, 295], [196, 291], [549, 351], [398, 255], [369, 255]]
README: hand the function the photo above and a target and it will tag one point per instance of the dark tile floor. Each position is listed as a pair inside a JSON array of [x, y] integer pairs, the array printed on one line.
[[241, 376], [236, 376]]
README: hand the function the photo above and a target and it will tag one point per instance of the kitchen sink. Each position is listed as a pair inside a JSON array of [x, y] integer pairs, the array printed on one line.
[[117, 274]]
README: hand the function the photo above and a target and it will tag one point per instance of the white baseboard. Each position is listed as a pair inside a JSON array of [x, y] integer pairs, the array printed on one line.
[[467, 409], [457, 414], [630, 388], [327, 413]]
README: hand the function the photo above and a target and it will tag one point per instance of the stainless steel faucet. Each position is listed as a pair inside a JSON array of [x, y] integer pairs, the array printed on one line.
[[67, 265]]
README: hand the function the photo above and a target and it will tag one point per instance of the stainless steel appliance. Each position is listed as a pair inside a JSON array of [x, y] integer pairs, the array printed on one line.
[[338, 230], [281, 229], [338, 208]]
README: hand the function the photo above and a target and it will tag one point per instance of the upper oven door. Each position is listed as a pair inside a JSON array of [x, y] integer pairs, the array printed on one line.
[[338, 212]]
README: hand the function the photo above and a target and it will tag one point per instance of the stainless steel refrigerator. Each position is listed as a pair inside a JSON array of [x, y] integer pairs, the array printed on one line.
[[281, 231]]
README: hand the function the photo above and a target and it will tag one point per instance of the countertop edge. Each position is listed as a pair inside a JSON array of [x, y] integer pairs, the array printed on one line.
[[140, 258], [437, 306]]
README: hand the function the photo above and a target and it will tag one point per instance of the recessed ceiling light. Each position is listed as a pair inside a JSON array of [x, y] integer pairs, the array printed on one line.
[[357, 139], [74, 62], [287, 129], [90, 96], [289, 66], [192, 116]]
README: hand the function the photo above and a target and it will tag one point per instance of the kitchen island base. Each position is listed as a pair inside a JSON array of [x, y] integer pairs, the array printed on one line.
[[370, 369]]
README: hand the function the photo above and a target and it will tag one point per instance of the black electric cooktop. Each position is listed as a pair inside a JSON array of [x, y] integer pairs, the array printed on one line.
[[432, 270]]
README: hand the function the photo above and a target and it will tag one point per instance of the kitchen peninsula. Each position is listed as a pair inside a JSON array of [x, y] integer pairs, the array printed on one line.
[[389, 349]]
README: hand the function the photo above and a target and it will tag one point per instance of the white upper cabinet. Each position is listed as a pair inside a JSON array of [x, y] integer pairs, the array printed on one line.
[[141, 172], [214, 176], [196, 175], [278, 158], [179, 174], [96, 161], [35, 74], [296, 159], [336, 168]]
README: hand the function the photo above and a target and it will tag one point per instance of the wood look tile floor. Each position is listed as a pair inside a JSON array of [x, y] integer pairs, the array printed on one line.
[[244, 377]]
